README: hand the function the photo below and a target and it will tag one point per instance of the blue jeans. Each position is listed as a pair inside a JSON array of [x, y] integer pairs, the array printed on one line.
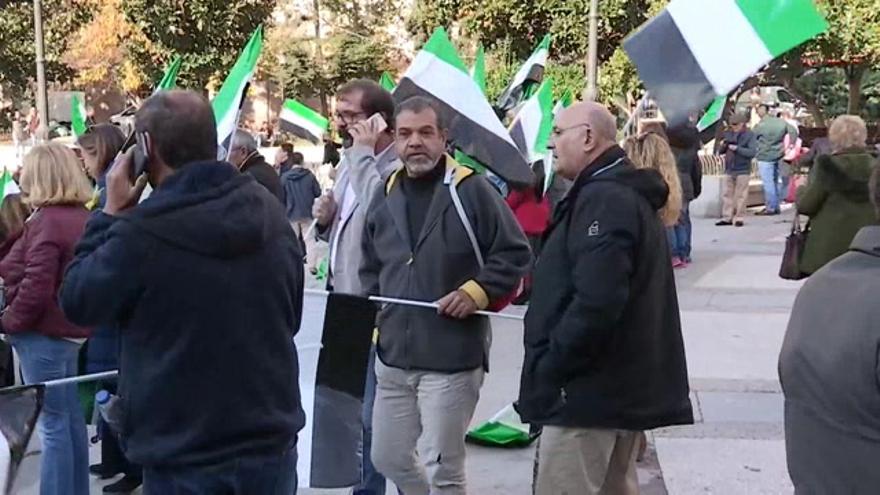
[[266, 475], [679, 235], [772, 188], [372, 481], [64, 466]]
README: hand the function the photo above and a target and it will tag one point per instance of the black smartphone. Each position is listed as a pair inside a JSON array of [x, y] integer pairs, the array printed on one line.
[[139, 165]]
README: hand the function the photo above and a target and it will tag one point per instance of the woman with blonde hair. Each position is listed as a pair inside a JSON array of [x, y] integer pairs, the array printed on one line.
[[54, 185], [650, 150], [837, 199]]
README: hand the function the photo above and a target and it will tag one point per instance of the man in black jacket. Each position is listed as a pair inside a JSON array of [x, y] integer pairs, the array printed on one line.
[[204, 280], [243, 154], [604, 357]]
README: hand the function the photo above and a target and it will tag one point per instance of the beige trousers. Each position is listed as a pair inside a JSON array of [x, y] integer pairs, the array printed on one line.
[[432, 410], [587, 461], [301, 228], [736, 191]]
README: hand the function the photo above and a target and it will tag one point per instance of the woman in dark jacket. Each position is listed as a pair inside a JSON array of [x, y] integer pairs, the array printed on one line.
[[47, 343], [837, 197], [100, 145], [685, 143]]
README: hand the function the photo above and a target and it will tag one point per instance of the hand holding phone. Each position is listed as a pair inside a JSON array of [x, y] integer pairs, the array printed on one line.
[[123, 190], [366, 133]]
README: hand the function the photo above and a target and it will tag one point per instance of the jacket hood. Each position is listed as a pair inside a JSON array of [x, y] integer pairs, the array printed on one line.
[[647, 182], [867, 241], [294, 174], [211, 209], [846, 172]]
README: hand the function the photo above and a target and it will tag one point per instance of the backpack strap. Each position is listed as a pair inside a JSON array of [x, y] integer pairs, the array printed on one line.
[[459, 208]]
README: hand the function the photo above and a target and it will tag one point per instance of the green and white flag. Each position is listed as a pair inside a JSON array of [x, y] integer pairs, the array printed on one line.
[[697, 50], [302, 121], [78, 116], [478, 70], [505, 429], [169, 79], [713, 113], [532, 125], [228, 101], [549, 172], [8, 185], [527, 78], [438, 72], [387, 82]]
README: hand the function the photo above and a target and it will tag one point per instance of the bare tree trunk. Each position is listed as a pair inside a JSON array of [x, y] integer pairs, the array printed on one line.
[[319, 56], [854, 76]]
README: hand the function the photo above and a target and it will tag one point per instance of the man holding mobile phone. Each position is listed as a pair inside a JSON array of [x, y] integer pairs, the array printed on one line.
[[208, 366], [364, 117]]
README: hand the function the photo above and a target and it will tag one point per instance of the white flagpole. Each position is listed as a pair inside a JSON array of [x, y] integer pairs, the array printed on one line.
[[420, 304]]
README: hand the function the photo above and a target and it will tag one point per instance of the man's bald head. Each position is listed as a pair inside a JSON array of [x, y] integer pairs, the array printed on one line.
[[180, 126], [581, 133]]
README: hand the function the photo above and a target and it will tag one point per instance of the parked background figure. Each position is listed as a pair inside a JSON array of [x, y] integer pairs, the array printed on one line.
[[100, 145], [738, 146], [828, 370], [650, 150], [836, 198], [531, 207], [47, 343], [300, 190], [684, 141]]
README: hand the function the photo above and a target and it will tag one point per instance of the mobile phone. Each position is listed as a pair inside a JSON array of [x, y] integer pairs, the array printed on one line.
[[379, 121], [141, 154]]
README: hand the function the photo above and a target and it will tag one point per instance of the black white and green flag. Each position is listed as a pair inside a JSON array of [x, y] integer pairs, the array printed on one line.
[[78, 122], [438, 72], [387, 81], [549, 172], [169, 79], [697, 50], [302, 121], [527, 78], [478, 70], [533, 123], [228, 101]]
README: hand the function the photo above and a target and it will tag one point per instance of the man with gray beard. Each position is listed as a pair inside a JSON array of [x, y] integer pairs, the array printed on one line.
[[418, 245]]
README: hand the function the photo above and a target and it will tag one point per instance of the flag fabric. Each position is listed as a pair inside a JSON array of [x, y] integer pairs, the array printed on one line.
[[549, 173], [302, 121], [19, 447], [685, 57], [478, 70], [8, 185], [438, 72], [528, 77], [713, 113], [469, 162], [169, 79], [78, 116], [387, 82], [228, 101], [505, 429], [533, 123], [333, 346]]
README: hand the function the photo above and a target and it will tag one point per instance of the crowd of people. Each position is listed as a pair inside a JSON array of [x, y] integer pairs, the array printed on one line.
[[195, 292]]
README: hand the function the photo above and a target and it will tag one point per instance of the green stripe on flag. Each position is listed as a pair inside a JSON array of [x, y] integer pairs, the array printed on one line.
[[544, 96], [469, 162], [713, 113], [78, 116], [478, 70], [307, 113], [169, 79], [387, 82], [8, 185], [440, 46], [783, 24]]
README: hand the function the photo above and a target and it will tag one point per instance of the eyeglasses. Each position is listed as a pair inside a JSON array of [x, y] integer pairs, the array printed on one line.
[[349, 117], [557, 132]]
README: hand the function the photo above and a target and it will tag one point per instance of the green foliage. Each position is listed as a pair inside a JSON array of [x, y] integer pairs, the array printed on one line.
[[829, 88], [17, 52], [210, 33]]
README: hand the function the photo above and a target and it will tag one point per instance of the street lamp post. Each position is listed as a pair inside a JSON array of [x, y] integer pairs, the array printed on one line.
[[41, 93], [590, 91]]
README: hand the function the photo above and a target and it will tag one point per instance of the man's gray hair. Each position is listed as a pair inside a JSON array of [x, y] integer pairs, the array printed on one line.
[[244, 140]]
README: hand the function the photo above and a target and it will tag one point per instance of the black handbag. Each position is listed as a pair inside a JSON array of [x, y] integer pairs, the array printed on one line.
[[794, 250]]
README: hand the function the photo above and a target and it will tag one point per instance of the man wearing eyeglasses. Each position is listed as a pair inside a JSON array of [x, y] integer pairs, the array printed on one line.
[[604, 357], [368, 158]]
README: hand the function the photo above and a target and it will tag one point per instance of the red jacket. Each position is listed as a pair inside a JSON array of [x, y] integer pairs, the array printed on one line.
[[533, 215], [33, 268]]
